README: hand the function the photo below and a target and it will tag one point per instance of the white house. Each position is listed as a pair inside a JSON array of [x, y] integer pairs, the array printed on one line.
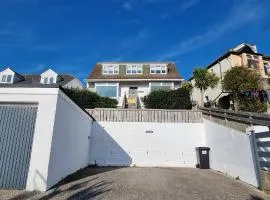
[[132, 80], [10, 78]]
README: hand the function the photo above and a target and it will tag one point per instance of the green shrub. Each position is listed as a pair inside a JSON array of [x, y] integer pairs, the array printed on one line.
[[87, 99], [172, 99]]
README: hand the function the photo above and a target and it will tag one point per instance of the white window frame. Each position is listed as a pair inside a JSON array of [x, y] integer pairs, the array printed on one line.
[[115, 69], [130, 67], [4, 78], [158, 67]]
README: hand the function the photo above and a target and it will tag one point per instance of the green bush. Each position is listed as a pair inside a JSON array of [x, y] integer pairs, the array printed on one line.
[[87, 99], [172, 99]]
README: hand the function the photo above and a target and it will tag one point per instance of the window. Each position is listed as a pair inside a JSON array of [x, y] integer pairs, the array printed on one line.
[[6, 79], [253, 61], [46, 80], [9, 77], [106, 89], [51, 80], [158, 69], [110, 69], [134, 69], [267, 68], [161, 86]]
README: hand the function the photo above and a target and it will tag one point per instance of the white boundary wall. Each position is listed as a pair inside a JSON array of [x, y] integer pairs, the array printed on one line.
[[60, 143], [230, 152], [145, 144], [71, 140]]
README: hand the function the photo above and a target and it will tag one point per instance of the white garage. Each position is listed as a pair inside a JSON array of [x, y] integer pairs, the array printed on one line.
[[42, 132]]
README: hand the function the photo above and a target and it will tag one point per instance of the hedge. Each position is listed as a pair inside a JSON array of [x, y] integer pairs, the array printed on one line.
[[87, 99], [172, 99]]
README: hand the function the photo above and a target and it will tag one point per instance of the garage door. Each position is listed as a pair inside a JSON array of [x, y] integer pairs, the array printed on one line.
[[17, 125]]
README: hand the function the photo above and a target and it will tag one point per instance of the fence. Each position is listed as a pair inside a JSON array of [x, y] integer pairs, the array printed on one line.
[[233, 119], [146, 115]]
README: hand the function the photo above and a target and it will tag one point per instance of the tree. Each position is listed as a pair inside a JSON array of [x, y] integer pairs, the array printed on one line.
[[204, 79], [240, 79]]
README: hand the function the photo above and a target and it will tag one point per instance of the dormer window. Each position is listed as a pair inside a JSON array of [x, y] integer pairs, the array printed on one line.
[[134, 69], [158, 69], [49, 77], [110, 69], [6, 78]]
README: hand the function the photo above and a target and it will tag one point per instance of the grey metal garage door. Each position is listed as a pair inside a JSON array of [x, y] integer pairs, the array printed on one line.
[[17, 125]]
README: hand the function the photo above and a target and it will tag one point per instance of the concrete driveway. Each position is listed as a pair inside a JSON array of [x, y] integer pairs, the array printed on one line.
[[144, 183]]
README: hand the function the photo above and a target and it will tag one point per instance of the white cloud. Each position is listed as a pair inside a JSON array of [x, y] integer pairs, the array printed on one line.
[[238, 17]]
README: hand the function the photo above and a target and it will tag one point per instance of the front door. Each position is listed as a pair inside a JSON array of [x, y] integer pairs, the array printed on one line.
[[133, 91]]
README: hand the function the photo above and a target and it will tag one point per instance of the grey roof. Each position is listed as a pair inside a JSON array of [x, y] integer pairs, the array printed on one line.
[[33, 80]]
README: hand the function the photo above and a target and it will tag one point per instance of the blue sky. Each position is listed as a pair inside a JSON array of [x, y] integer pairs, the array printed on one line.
[[71, 36]]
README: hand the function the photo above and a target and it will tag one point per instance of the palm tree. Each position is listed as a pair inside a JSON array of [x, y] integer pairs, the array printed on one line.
[[204, 79]]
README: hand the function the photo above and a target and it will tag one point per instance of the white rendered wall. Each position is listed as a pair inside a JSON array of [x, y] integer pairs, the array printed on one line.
[[71, 140], [46, 99], [219, 69], [128, 144], [230, 152]]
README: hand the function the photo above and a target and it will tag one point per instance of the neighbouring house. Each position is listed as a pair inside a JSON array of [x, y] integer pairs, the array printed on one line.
[[10, 78], [129, 82], [242, 55]]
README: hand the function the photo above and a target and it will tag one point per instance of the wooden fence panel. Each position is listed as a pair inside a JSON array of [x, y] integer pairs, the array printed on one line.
[[146, 115]]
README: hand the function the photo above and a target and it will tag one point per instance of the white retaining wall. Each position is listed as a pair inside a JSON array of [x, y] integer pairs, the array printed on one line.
[[230, 152], [145, 143], [71, 140]]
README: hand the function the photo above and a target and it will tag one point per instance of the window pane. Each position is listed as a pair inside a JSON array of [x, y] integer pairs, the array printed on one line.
[[111, 69], [116, 69], [46, 80], [153, 70], [9, 78], [105, 70], [107, 91], [267, 69], [164, 69], [139, 70], [156, 84], [51, 80], [155, 88], [158, 69], [4, 78], [128, 69], [134, 69]]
